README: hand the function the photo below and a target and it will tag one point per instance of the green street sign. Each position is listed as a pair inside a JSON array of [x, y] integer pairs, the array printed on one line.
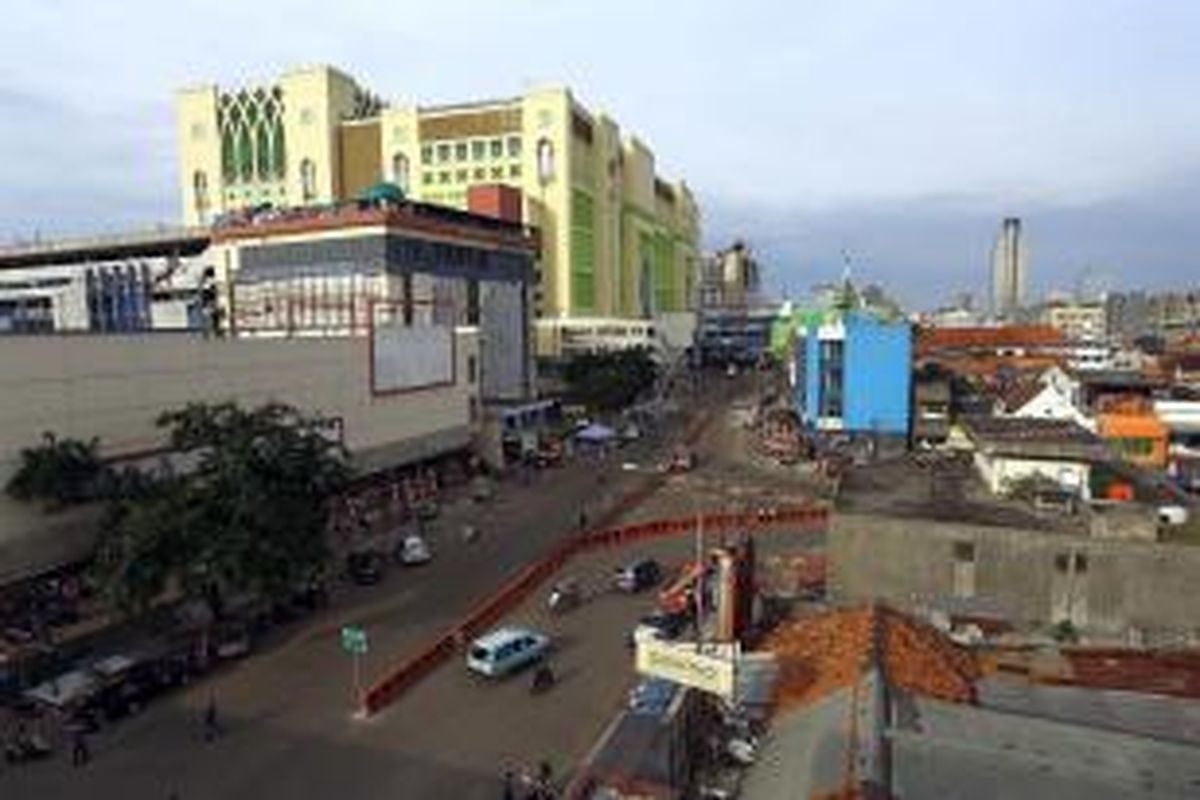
[[354, 640]]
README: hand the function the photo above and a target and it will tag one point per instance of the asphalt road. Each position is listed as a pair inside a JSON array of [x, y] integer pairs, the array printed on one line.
[[287, 711]]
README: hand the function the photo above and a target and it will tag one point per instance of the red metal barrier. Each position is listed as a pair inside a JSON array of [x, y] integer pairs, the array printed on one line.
[[524, 583]]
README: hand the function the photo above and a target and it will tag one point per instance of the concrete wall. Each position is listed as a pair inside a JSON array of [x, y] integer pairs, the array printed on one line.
[[1030, 578], [113, 387], [507, 368]]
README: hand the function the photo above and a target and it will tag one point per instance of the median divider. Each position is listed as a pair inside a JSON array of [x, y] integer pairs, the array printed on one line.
[[514, 591]]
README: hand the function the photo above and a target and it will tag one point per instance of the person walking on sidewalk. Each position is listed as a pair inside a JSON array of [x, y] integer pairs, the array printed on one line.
[[212, 725], [80, 754]]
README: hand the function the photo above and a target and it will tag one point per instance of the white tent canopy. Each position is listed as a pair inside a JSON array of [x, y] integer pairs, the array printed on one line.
[[595, 433]]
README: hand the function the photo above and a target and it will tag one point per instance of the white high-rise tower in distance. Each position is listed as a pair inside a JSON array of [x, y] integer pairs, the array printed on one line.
[[1010, 263]]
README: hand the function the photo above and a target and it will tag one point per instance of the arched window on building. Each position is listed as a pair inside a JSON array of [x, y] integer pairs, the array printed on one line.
[[262, 152], [400, 171], [245, 156], [279, 158], [545, 160], [308, 180], [250, 122], [200, 194]]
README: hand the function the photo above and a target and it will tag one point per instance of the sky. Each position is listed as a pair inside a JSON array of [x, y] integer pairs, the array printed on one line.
[[894, 134]]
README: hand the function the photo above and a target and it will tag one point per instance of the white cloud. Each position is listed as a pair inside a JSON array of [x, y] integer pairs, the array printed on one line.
[[819, 108]]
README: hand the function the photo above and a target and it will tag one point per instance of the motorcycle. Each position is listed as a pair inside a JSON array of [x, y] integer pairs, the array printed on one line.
[[23, 749], [564, 596]]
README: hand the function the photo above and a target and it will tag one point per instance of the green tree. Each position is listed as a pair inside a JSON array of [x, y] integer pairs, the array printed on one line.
[[1029, 488], [248, 514], [60, 472], [612, 380], [145, 541]]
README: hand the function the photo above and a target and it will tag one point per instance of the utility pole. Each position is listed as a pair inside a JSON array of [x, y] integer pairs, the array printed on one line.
[[699, 579]]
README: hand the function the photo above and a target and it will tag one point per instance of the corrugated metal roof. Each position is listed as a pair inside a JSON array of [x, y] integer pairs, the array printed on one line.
[[951, 750]]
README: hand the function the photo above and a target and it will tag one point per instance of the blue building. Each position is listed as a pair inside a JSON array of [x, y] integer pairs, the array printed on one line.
[[853, 371]]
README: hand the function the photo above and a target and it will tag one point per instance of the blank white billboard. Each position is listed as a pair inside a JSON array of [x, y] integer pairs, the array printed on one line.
[[407, 358]]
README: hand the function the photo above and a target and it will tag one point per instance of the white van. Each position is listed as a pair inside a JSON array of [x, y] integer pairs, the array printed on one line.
[[506, 650]]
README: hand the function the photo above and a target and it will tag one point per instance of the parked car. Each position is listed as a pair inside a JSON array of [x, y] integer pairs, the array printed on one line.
[[665, 624], [232, 641], [638, 576], [364, 568], [658, 625], [414, 551], [506, 650]]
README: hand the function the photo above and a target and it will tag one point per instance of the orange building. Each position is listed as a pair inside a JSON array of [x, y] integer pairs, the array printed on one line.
[[1137, 437]]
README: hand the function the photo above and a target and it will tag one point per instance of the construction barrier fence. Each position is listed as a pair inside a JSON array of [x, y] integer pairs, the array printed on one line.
[[518, 588]]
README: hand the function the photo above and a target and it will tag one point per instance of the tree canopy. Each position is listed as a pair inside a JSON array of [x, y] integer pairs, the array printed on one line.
[[247, 514], [59, 471], [609, 381]]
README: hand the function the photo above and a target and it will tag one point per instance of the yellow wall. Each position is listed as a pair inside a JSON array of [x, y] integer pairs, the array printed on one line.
[[400, 137], [545, 114], [618, 175], [199, 150], [315, 101], [359, 156]]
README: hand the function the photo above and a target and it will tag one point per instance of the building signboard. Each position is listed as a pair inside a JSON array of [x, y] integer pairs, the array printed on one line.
[[709, 669]]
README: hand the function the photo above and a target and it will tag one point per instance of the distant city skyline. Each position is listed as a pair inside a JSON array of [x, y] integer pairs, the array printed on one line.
[[901, 132]]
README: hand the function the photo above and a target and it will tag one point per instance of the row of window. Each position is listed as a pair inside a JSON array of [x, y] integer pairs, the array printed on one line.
[[308, 189], [473, 150], [458, 199], [258, 194], [964, 553], [470, 175], [832, 373]]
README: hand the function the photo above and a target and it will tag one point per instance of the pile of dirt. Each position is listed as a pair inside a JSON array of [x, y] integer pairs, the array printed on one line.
[[921, 659], [819, 654]]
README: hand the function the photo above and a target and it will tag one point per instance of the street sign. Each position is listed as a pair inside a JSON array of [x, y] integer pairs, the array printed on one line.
[[710, 670], [354, 640]]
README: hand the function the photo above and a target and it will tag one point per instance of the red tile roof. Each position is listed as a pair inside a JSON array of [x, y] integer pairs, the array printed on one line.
[[1016, 394], [820, 654], [932, 340], [987, 365]]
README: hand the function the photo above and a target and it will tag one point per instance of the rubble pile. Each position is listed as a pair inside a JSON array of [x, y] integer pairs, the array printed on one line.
[[823, 653]]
